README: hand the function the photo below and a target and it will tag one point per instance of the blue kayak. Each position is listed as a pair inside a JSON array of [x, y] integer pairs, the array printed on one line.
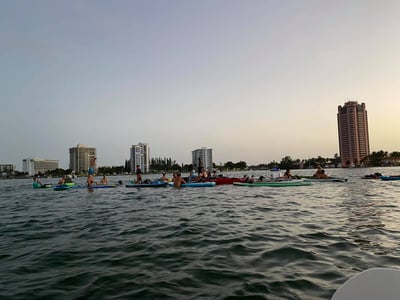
[[386, 178], [98, 186], [61, 187], [102, 186], [150, 184], [194, 184]]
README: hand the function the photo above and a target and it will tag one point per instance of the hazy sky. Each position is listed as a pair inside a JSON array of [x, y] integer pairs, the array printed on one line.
[[253, 80]]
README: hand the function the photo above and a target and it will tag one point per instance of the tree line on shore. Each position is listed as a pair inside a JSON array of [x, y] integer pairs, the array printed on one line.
[[157, 165]]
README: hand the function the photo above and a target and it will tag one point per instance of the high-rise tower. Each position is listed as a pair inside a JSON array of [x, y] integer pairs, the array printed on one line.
[[140, 155], [79, 158], [353, 133], [205, 155]]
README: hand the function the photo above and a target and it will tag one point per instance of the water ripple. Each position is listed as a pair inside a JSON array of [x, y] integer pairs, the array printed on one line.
[[221, 243]]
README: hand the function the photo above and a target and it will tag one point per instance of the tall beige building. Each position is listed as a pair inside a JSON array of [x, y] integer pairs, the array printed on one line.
[[79, 158], [353, 133]]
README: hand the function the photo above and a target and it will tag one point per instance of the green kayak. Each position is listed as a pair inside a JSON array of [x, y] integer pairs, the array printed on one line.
[[275, 183]]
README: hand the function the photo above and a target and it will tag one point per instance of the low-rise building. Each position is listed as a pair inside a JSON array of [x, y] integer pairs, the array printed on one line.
[[35, 165], [7, 168]]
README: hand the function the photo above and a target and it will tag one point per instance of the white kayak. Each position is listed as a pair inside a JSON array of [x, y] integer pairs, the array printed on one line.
[[372, 284]]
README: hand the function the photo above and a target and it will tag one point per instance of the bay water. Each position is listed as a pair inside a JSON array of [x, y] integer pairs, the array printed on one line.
[[224, 242]]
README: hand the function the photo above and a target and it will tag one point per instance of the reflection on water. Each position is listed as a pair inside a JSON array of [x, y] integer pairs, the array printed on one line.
[[371, 215]]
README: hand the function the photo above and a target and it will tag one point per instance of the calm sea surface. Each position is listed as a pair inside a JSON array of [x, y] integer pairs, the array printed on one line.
[[225, 242]]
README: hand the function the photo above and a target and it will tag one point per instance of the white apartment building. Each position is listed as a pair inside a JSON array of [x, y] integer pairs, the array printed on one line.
[[34, 165], [206, 158], [7, 168], [140, 155]]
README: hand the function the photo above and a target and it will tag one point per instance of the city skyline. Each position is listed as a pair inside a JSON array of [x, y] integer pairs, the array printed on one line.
[[255, 81]]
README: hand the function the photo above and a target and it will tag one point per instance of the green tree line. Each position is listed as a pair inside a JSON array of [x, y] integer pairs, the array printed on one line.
[[158, 165]]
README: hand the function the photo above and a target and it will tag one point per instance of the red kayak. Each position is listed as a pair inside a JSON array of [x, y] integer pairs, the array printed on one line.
[[226, 180]]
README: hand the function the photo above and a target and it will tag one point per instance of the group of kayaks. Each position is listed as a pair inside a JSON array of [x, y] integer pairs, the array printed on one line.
[[280, 182], [72, 185], [167, 183]]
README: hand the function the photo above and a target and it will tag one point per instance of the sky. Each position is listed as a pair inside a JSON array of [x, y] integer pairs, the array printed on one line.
[[255, 80]]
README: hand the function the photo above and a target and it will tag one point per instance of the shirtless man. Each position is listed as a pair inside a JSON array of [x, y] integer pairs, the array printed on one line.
[[178, 180], [61, 181], [163, 177], [90, 180], [104, 180], [318, 172]]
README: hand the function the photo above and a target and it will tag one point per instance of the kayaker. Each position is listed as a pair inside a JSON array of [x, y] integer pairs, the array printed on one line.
[[322, 175], [36, 182], [61, 181], [251, 180], [104, 180], [287, 174], [318, 172], [178, 180], [163, 177], [138, 174]]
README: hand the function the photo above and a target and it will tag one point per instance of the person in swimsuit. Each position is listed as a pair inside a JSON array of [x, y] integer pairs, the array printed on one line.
[[92, 166], [104, 180]]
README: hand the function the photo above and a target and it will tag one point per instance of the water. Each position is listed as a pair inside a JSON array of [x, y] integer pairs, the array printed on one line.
[[224, 242]]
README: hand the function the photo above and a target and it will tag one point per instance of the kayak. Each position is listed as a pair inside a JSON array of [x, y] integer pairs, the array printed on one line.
[[46, 186], [386, 178], [225, 180], [372, 284], [102, 186], [274, 183], [372, 176], [64, 187], [150, 184], [330, 179], [61, 187], [194, 184], [43, 186]]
